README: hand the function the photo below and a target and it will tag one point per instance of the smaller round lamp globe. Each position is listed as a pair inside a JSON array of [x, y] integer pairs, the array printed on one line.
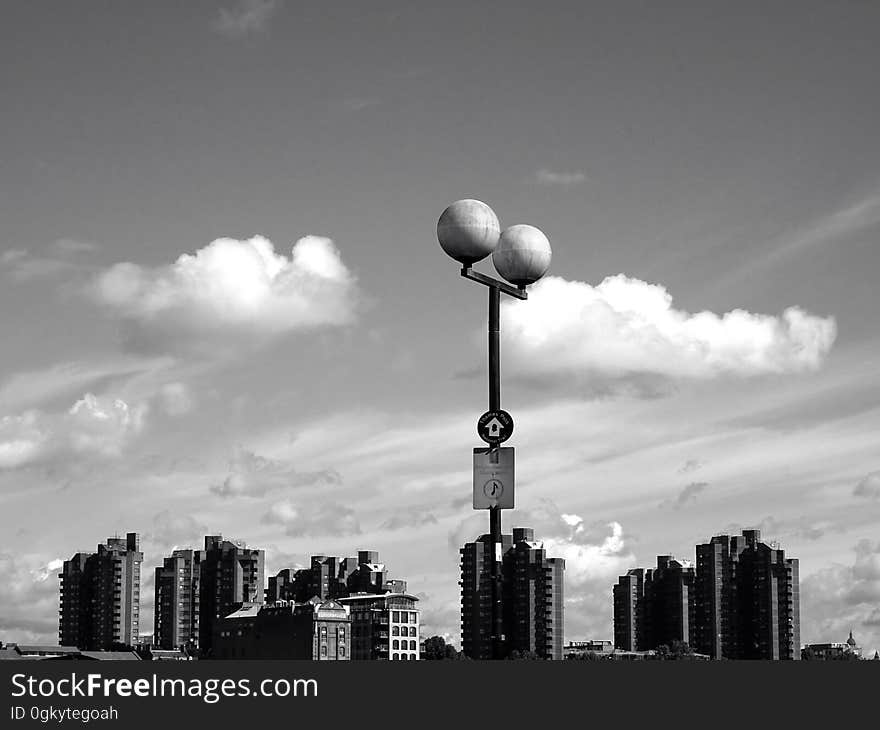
[[468, 231], [523, 255]]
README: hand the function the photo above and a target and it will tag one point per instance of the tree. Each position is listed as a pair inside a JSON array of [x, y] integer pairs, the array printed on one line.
[[518, 655], [586, 656], [436, 648], [676, 650]]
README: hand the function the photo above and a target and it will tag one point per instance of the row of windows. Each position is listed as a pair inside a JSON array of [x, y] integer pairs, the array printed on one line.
[[402, 631], [402, 645], [405, 617], [404, 657]]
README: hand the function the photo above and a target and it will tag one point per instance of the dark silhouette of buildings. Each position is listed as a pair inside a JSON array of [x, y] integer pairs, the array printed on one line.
[[177, 609], [230, 576], [317, 630], [332, 577], [629, 597], [669, 603], [748, 599], [532, 597], [100, 596], [654, 607], [741, 602]]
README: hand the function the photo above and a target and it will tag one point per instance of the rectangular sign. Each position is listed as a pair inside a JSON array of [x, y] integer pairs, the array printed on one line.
[[493, 478]]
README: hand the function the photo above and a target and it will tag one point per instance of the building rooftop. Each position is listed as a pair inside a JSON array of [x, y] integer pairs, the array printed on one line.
[[375, 596], [247, 611], [110, 655]]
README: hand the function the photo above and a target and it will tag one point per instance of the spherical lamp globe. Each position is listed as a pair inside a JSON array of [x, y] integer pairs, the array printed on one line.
[[468, 231], [523, 255]]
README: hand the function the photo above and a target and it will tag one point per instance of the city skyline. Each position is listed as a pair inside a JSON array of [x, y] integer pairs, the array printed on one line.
[[224, 309], [738, 580]]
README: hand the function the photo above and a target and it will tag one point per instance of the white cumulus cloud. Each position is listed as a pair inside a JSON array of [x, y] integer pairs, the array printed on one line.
[[234, 287], [247, 16], [626, 327], [92, 426]]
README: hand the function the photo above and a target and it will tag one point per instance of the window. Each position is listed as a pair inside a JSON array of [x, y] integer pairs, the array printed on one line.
[[395, 644], [412, 630], [395, 615], [413, 618], [412, 645], [395, 631]]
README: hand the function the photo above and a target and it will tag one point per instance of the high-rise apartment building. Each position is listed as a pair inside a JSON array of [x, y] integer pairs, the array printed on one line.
[[329, 577], [742, 601], [748, 599], [531, 597], [629, 596], [230, 575], [669, 603], [100, 596], [654, 607], [176, 615]]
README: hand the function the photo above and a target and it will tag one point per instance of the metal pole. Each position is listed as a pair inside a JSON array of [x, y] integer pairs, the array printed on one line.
[[494, 359], [495, 512]]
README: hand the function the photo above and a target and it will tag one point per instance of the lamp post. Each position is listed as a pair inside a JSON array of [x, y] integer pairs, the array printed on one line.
[[468, 231]]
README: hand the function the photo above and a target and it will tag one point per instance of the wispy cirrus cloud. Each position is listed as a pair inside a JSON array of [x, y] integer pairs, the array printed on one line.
[[252, 475], [247, 16], [56, 259], [869, 487], [306, 517], [550, 177], [688, 494]]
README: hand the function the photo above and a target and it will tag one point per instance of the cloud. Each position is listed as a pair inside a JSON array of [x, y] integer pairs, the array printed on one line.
[[843, 597], [32, 387], [171, 529], [357, 104], [231, 287], [251, 475], [869, 487], [625, 328], [248, 16], [688, 494], [22, 266], [92, 426], [548, 177], [177, 399], [308, 518], [12, 255], [30, 598], [594, 553], [410, 518], [691, 465], [72, 246]]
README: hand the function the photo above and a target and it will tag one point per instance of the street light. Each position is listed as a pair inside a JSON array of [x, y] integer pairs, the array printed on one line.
[[468, 231]]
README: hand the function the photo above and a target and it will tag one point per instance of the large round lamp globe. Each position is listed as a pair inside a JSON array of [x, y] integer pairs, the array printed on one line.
[[468, 231], [522, 255]]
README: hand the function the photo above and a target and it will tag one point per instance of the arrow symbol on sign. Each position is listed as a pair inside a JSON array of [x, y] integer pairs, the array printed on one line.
[[495, 427]]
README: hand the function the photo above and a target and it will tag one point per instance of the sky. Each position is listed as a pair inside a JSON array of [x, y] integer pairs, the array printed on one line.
[[223, 307]]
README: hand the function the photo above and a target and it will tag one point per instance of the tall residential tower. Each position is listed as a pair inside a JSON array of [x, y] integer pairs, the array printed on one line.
[[100, 596], [531, 597]]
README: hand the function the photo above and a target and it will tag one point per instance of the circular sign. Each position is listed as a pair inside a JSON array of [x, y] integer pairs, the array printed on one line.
[[495, 427], [493, 489]]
